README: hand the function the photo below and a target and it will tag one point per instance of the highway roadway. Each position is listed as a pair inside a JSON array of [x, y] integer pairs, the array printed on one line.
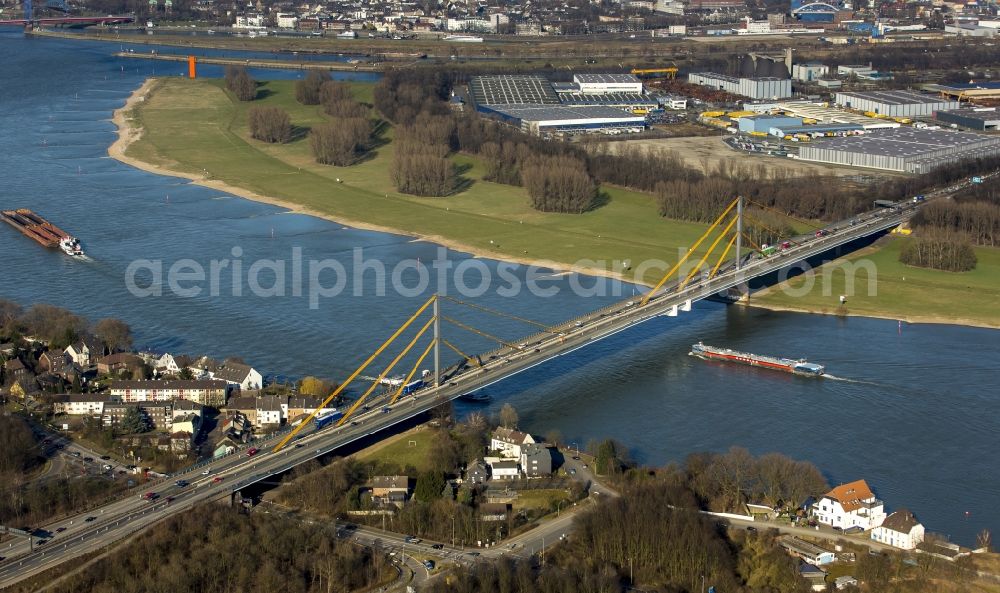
[[227, 475]]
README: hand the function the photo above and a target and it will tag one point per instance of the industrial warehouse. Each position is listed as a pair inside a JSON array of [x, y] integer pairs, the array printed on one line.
[[974, 118], [906, 150], [755, 88], [895, 103], [603, 103]]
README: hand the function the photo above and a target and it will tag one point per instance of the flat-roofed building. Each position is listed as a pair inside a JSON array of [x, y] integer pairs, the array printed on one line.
[[895, 103], [599, 84], [908, 150]]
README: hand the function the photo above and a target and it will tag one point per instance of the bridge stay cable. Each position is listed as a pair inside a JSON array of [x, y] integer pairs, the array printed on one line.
[[471, 329], [485, 309], [711, 249], [722, 258], [357, 372], [712, 228], [413, 371], [460, 353], [384, 373], [785, 214]]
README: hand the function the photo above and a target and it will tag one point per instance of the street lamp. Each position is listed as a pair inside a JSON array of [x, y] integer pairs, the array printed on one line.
[[453, 531]]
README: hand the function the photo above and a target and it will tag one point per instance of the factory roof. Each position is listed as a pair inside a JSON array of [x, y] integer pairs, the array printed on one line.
[[511, 90], [606, 78], [987, 114], [904, 142], [606, 99], [564, 112], [894, 97]]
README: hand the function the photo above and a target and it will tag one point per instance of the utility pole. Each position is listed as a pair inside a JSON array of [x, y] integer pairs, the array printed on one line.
[[453, 531], [739, 231], [437, 342]]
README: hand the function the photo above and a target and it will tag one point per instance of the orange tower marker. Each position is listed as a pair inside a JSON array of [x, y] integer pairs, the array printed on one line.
[[191, 70]]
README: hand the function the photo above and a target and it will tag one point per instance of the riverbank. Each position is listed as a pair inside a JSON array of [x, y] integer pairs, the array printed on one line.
[[486, 219], [182, 130]]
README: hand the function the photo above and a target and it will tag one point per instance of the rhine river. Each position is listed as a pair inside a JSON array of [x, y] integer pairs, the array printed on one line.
[[915, 411]]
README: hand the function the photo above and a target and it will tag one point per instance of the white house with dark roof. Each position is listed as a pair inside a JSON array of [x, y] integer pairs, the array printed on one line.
[[509, 442], [504, 469], [240, 374], [850, 505], [84, 353], [899, 530]]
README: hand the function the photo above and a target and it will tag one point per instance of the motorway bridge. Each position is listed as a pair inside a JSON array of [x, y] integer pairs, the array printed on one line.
[[95, 529]]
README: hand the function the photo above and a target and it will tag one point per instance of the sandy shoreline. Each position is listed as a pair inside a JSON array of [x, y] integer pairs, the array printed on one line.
[[128, 133], [909, 319]]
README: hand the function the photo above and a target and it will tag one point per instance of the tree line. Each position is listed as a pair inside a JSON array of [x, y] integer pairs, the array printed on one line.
[[344, 139], [939, 249], [216, 549], [59, 327]]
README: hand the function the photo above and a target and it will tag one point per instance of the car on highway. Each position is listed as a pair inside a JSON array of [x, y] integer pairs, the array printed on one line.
[[298, 445], [576, 458], [105, 457], [60, 529], [207, 471], [216, 479], [107, 467], [75, 453], [150, 496], [437, 546], [410, 539], [429, 564], [90, 519], [88, 459], [473, 554], [181, 483], [252, 451]]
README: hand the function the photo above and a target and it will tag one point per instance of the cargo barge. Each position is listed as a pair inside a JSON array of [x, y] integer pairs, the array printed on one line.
[[788, 365], [42, 231]]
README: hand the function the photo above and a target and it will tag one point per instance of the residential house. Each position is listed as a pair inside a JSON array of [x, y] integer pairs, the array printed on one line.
[[477, 472], [85, 352], [7, 349], [82, 404], [850, 505], [184, 407], [808, 551], [394, 489], [189, 423], [227, 445], [166, 365], [24, 388], [245, 405], [54, 361], [509, 442], [268, 410], [493, 511], [118, 363], [845, 582], [504, 469], [159, 414], [242, 375], [300, 405], [207, 392], [536, 460], [14, 369], [181, 441], [900, 530]]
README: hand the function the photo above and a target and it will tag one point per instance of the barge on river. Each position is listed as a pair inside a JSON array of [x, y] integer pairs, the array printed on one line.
[[788, 365], [42, 231]]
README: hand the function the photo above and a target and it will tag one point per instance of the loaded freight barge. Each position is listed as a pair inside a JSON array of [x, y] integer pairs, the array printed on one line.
[[42, 231], [798, 367]]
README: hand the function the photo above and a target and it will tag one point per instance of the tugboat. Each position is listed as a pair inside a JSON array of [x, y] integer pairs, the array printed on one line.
[[71, 246], [797, 367]]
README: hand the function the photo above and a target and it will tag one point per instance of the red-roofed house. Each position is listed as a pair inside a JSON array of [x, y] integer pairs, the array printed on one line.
[[850, 505]]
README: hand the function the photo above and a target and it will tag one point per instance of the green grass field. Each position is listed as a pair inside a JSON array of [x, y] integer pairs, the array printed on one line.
[[195, 127], [411, 448], [900, 291]]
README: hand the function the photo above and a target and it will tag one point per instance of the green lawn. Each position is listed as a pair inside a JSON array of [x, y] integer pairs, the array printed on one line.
[[540, 499], [194, 127], [901, 291], [411, 448]]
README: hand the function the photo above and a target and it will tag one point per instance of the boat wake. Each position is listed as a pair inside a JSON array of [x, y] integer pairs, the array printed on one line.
[[846, 380]]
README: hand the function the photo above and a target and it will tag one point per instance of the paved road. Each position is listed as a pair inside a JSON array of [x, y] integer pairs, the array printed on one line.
[[121, 518]]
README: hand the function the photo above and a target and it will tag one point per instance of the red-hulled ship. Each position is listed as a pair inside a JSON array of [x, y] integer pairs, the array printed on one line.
[[798, 367]]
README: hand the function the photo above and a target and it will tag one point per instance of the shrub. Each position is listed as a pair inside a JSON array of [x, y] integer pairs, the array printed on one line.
[[270, 124], [307, 90]]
